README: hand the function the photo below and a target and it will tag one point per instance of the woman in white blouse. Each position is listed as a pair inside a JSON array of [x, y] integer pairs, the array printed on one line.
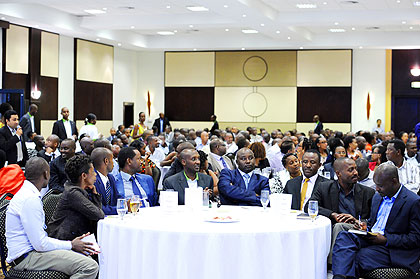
[[89, 128]]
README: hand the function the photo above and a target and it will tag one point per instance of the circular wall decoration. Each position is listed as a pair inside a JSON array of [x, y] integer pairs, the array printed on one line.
[[255, 68], [254, 104]]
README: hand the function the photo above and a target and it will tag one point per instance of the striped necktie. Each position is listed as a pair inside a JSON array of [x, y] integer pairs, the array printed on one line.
[[108, 192]]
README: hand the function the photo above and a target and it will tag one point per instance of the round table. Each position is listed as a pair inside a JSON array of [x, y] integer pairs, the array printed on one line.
[[184, 244]]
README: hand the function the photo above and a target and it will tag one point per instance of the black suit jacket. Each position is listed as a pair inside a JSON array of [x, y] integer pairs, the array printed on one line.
[[25, 123], [60, 131], [178, 182], [327, 195], [402, 229], [293, 187], [42, 154], [165, 123], [319, 128], [58, 174], [8, 145]]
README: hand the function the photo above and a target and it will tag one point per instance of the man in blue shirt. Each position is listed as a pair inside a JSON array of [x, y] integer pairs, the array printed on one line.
[[395, 226]]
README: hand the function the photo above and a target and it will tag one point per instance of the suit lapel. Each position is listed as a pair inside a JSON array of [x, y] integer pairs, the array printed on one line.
[[398, 203], [334, 196], [239, 179], [358, 199]]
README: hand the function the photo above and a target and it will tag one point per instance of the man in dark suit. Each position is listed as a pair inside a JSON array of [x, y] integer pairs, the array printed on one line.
[[190, 177], [176, 165], [302, 187], [129, 182], [105, 183], [11, 140], [27, 122], [57, 166], [319, 127], [161, 123], [241, 186], [215, 124], [50, 152], [396, 221], [65, 128]]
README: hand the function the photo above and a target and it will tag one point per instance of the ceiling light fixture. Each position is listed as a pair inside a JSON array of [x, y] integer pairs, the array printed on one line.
[[197, 8], [289, 38], [168, 7], [165, 33], [301, 48], [403, 22], [325, 3], [98, 39], [360, 47], [195, 49], [119, 44], [243, 48], [411, 27], [353, 28], [398, 1], [104, 9], [243, 15], [227, 30], [225, 6], [262, 24], [3, 18], [336, 23], [132, 27], [191, 26], [278, 32], [249, 31], [337, 30], [415, 71], [306, 6], [416, 3], [95, 12]]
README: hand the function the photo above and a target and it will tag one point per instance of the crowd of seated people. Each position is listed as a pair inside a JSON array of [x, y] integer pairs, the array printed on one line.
[[355, 177]]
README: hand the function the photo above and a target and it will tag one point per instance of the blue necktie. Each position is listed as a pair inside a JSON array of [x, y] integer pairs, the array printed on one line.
[[137, 191], [246, 178], [225, 166], [108, 192]]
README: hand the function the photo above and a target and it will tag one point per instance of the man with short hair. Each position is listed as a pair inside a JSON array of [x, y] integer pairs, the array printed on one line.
[[230, 143], [412, 156], [86, 144], [50, 152], [113, 134], [276, 153], [161, 123], [176, 165], [318, 125], [215, 124], [65, 128], [39, 144], [191, 177], [408, 173], [27, 121], [254, 136], [12, 141], [29, 247], [395, 222], [364, 174], [361, 145], [242, 186], [156, 154], [204, 142], [130, 182], [217, 158], [103, 162], [303, 186], [58, 173]]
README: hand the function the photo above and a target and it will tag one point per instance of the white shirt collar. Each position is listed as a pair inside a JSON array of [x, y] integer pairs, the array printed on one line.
[[30, 186], [312, 179], [217, 157], [243, 173], [103, 178]]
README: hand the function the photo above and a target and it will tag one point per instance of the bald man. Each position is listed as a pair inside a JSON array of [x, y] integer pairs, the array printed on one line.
[[190, 177], [242, 186], [51, 149], [176, 165], [394, 219], [65, 128], [58, 174], [204, 144]]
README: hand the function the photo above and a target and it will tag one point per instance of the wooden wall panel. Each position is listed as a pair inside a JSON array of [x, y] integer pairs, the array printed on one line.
[[17, 49], [48, 103], [402, 62], [92, 97], [189, 103], [332, 104]]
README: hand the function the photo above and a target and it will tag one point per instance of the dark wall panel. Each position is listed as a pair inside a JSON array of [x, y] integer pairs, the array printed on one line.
[[16, 81], [189, 103], [92, 97], [332, 104], [48, 102], [402, 62]]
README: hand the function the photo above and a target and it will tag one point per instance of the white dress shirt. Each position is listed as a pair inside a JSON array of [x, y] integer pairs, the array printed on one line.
[[157, 156], [18, 145], [128, 187], [32, 118], [243, 174], [67, 126], [90, 130], [408, 175], [368, 181], [25, 225], [231, 148], [311, 184], [218, 159], [104, 178], [274, 156]]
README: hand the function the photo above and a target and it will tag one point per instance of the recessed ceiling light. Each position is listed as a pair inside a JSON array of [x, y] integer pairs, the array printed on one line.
[[197, 8], [95, 12], [119, 44], [306, 6], [243, 48], [262, 24], [165, 33], [168, 7], [301, 48], [416, 3], [191, 26], [411, 27], [353, 28], [289, 38], [278, 32], [249, 31], [104, 9], [195, 49], [225, 6], [227, 30], [335, 23], [175, 31], [243, 15], [398, 1], [325, 3], [403, 22], [98, 39], [3, 18], [360, 47], [131, 27], [337, 30]]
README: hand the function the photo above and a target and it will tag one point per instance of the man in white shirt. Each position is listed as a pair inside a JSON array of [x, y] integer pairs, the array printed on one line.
[[157, 155], [276, 153], [412, 156], [254, 136], [407, 173], [230, 144], [204, 141], [29, 247]]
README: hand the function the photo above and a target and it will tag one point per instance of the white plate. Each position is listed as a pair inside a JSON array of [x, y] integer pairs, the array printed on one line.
[[222, 220]]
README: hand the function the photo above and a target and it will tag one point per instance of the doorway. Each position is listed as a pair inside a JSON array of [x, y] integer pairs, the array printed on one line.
[[128, 114]]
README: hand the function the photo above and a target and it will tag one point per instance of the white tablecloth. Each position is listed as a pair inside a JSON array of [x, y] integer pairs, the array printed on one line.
[[157, 244]]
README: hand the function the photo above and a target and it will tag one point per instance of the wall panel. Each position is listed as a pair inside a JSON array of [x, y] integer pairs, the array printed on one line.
[[92, 97], [49, 54], [184, 69], [17, 49]]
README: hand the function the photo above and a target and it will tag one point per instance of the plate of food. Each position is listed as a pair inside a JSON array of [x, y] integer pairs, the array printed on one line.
[[222, 219]]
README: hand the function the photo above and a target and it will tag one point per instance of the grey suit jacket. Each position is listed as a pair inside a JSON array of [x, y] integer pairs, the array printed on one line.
[[25, 123], [178, 182], [216, 166]]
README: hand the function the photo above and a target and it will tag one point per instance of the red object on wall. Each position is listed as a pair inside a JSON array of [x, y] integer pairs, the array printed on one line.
[[149, 104], [368, 106]]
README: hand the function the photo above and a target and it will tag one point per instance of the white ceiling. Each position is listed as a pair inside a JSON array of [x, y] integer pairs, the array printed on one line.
[[281, 25]]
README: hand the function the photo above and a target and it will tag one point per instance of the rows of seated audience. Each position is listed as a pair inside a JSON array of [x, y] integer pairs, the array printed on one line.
[[360, 180]]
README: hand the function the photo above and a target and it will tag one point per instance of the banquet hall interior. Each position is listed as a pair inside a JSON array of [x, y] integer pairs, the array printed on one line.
[[272, 72]]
